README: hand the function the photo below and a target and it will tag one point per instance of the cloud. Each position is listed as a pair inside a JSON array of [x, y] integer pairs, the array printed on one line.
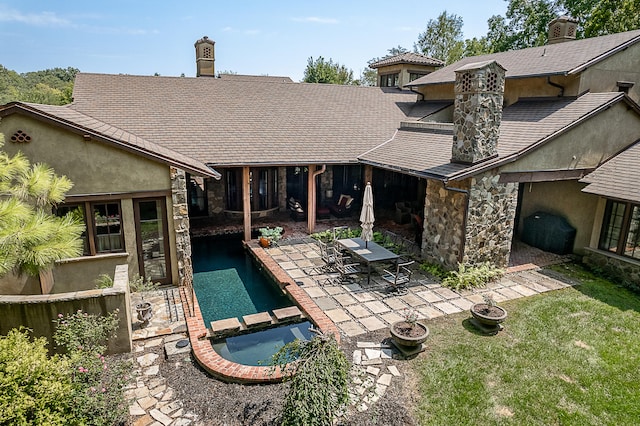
[[316, 20], [40, 19]]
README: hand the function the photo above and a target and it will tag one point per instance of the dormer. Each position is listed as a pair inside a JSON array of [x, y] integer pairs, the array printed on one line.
[[399, 70]]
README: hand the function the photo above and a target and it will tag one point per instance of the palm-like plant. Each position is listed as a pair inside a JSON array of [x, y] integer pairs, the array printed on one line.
[[31, 237]]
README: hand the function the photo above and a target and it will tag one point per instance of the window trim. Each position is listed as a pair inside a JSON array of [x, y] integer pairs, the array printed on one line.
[[623, 233]]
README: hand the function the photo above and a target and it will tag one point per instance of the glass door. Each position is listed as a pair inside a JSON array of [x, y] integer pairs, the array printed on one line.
[[151, 235]]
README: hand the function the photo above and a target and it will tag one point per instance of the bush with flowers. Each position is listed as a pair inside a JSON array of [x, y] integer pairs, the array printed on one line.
[[98, 384]]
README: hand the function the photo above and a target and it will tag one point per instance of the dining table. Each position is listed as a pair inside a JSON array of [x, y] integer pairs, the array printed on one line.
[[368, 252]]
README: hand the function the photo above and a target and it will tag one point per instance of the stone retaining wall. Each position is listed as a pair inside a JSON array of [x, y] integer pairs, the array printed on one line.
[[627, 270]]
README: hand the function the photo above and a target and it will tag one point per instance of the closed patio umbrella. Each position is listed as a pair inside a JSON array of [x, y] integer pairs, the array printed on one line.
[[366, 215]]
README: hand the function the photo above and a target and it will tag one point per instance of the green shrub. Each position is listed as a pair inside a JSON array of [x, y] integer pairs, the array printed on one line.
[[34, 388], [435, 270], [104, 281], [472, 276], [139, 285], [319, 380]]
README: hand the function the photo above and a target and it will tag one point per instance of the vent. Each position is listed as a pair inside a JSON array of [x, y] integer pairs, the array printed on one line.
[[492, 82], [20, 137], [466, 82]]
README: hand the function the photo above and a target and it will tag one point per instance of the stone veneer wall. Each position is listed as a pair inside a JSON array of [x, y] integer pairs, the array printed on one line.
[[490, 220], [181, 226], [443, 223], [625, 269], [477, 112], [326, 182], [282, 188], [215, 196]]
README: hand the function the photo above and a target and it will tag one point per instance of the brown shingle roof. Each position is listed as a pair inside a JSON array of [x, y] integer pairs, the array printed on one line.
[[525, 126], [233, 122], [110, 134], [407, 58], [618, 177], [562, 58], [264, 78]]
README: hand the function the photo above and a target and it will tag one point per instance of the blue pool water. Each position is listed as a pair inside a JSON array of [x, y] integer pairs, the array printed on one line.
[[257, 348], [228, 283]]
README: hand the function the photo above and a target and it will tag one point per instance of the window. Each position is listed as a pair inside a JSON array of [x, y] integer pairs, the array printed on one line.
[[263, 188], [102, 227], [389, 80], [620, 232], [416, 75]]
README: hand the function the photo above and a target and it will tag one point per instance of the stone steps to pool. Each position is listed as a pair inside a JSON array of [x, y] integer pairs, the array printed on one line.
[[230, 326]]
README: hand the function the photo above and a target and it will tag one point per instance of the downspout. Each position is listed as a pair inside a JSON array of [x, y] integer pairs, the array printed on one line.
[[559, 86], [417, 93], [464, 219], [311, 205]]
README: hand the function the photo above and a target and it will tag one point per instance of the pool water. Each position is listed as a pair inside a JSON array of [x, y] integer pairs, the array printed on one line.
[[228, 283], [257, 348]]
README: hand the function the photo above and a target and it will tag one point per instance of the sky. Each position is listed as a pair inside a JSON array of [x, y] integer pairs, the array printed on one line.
[[267, 37]]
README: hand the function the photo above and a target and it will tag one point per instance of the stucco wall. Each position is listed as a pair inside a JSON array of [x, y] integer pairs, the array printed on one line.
[[562, 198], [38, 312], [585, 146], [623, 66], [80, 273], [92, 166]]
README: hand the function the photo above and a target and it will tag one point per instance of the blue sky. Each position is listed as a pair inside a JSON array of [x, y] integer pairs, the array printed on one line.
[[252, 37]]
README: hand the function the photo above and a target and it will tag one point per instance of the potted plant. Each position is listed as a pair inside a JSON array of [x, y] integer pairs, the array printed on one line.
[[140, 285], [269, 235], [487, 316], [409, 334]]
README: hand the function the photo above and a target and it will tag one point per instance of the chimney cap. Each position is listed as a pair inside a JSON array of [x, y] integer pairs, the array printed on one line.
[[563, 18], [478, 65], [204, 39]]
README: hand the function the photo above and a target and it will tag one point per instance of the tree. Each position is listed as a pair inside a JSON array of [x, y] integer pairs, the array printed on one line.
[[322, 71], [600, 17], [442, 39], [31, 238], [52, 86]]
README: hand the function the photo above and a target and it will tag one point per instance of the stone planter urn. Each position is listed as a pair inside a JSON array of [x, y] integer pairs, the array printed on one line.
[[487, 317], [145, 311], [408, 335]]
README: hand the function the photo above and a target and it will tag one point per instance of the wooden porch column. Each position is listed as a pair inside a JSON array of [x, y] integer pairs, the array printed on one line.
[[368, 174], [311, 199], [246, 203]]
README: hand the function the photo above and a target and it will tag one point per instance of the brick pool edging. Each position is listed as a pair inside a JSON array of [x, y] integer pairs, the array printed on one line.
[[229, 371]]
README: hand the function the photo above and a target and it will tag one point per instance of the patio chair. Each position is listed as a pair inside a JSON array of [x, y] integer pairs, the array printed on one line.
[[346, 270], [399, 278], [328, 255]]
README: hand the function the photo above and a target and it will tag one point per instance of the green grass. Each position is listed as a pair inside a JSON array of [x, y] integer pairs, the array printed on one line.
[[569, 357]]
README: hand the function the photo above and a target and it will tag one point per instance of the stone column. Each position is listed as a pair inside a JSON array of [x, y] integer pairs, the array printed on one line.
[[181, 226], [490, 220], [282, 189]]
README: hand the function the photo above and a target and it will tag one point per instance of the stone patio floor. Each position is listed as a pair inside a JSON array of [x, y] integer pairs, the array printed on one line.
[[356, 308]]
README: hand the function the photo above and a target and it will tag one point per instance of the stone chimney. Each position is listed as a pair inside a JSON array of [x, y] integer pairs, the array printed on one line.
[[562, 29], [205, 57], [477, 111]]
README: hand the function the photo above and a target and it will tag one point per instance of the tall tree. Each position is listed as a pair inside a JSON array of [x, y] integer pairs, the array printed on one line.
[[442, 39], [323, 71], [52, 86], [600, 17], [31, 238]]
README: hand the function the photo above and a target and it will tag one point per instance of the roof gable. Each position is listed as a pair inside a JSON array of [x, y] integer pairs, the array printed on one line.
[[618, 177], [407, 58], [81, 123]]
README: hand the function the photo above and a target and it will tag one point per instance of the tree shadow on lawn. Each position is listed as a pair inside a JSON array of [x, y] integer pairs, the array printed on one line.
[[604, 289]]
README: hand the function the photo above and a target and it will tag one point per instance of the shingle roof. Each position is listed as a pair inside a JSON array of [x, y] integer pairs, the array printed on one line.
[[110, 134], [234, 122], [407, 58], [618, 177], [264, 78], [525, 125], [562, 58]]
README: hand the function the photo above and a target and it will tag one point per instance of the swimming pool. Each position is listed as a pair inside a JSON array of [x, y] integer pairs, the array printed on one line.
[[257, 348], [228, 283]]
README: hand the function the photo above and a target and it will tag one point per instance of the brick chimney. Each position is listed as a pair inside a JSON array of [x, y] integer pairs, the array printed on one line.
[[562, 29], [477, 111], [205, 57]]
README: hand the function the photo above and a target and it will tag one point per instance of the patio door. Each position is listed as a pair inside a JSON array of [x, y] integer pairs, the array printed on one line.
[[151, 236]]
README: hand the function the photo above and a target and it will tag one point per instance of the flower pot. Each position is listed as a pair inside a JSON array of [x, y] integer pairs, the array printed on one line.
[[488, 315], [408, 335], [264, 242], [145, 311]]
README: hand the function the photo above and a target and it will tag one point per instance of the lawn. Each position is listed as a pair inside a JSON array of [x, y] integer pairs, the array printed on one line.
[[568, 357]]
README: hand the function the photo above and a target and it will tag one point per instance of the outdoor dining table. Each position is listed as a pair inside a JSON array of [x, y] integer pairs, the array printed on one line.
[[369, 252]]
